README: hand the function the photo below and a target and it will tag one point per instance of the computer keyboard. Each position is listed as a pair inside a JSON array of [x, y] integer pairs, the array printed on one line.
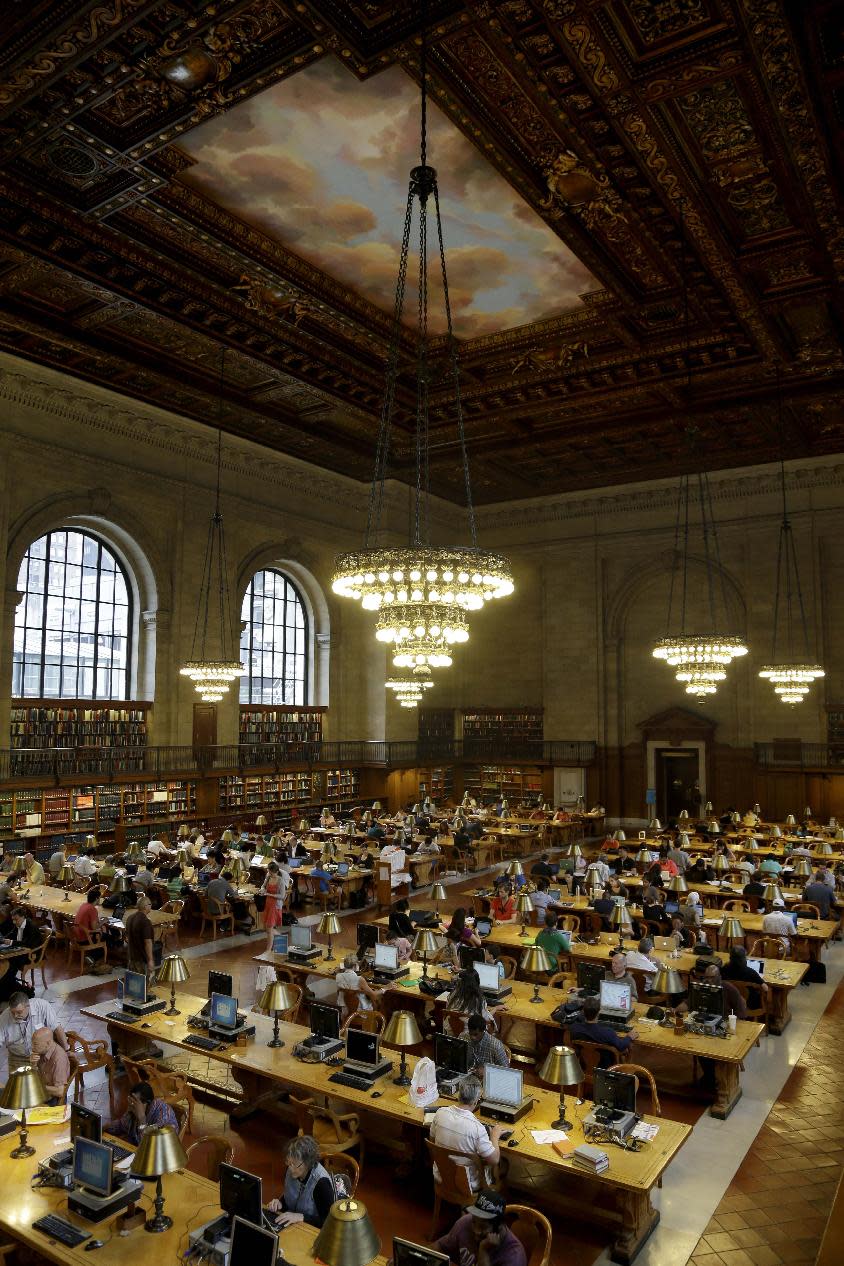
[[125, 1017], [57, 1229], [202, 1043], [119, 1153], [350, 1079], [614, 1022]]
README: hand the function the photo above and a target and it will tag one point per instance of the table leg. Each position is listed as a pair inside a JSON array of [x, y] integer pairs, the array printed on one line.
[[258, 1094], [728, 1089], [638, 1219], [779, 1015]]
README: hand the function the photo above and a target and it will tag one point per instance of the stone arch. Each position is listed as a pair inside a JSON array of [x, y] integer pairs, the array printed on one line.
[[643, 576]]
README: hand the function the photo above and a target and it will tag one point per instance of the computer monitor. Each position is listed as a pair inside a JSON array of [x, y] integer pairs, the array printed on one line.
[[407, 1254], [487, 974], [135, 987], [705, 997], [204, 878], [281, 942], [503, 1085], [300, 937], [367, 934], [342, 869], [293, 863], [361, 1047], [324, 1020], [589, 977], [616, 998], [483, 927], [671, 907], [252, 1245], [220, 982], [451, 1053], [756, 964], [614, 1090], [240, 1193], [85, 1123], [555, 894], [469, 955], [92, 1166], [386, 956], [223, 1011]]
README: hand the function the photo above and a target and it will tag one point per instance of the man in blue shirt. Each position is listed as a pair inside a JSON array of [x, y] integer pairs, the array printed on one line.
[[770, 866], [589, 1029]]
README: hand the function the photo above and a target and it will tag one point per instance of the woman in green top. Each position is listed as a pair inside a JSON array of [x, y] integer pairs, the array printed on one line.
[[552, 940]]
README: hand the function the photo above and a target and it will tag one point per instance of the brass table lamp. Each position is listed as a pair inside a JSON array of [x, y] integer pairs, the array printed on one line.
[[173, 971], [561, 1068], [620, 919], [720, 864], [515, 869], [329, 925], [802, 867], [277, 997], [23, 1090], [643, 857], [669, 982], [260, 820], [228, 836], [534, 960], [402, 1031], [619, 836], [160, 1152], [730, 928], [426, 944], [121, 883], [18, 867], [347, 1237], [183, 831], [239, 870], [134, 850], [772, 892], [824, 848], [66, 878], [677, 884], [524, 905], [438, 894]]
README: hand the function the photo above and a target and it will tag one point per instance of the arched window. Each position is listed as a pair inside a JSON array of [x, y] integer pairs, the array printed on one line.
[[274, 642], [73, 627]]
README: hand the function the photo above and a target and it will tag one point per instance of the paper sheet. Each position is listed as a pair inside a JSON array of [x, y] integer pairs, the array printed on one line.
[[549, 1136], [642, 1130], [44, 1116]]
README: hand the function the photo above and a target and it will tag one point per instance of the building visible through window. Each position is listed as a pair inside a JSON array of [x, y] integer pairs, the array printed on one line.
[[274, 642]]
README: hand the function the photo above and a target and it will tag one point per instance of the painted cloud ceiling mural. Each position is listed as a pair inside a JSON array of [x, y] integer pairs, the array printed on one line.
[[320, 163]]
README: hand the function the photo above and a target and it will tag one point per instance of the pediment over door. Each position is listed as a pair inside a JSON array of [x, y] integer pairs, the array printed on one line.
[[677, 724]]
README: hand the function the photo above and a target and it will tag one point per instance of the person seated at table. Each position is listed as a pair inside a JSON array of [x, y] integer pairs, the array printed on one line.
[[604, 905], [86, 921], [456, 1128], [474, 829], [34, 870], [348, 978], [640, 960], [778, 923], [376, 831], [462, 842], [722, 849], [685, 937], [401, 943], [56, 862], [503, 907], [819, 893], [755, 887], [220, 891], [19, 1022], [467, 997], [700, 872], [667, 865], [51, 1062], [429, 846], [7, 926], [553, 940], [542, 899], [143, 1109], [143, 878], [459, 933], [623, 862], [653, 876], [736, 968], [692, 911], [107, 870], [399, 920], [327, 820], [653, 907], [618, 972], [481, 1237], [156, 847], [589, 1029], [615, 888], [309, 1189], [600, 868], [543, 867], [325, 877], [770, 865], [366, 857], [484, 1048]]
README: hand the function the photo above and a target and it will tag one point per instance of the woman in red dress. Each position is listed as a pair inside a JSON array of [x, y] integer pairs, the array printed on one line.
[[275, 890]]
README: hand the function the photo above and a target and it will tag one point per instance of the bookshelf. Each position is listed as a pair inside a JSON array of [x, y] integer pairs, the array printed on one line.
[[252, 794], [265, 724], [94, 810], [436, 723], [342, 785], [436, 782], [48, 725], [835, 734], [517, 726], [516, 783]]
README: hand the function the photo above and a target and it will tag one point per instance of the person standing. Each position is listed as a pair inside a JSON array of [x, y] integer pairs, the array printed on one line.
[[140, 936]]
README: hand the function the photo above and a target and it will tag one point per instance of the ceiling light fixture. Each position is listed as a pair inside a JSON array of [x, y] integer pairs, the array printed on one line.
[[791, 677], [212, 677], [421, 592], [701, 659], [408, 691]]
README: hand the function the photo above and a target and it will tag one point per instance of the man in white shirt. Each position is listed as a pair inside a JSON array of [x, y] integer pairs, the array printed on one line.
[[85, 866], [144, 879], [456, 1126], [641, 960], [19, 1023], [778, 923], [599, 867], [156, 847], [56, 862]]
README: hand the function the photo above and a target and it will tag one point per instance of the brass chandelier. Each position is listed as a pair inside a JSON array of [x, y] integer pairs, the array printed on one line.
[[408, 692], [792, 675], [421, 592]]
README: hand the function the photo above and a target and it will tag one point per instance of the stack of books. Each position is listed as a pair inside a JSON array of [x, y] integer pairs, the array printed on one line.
[[593, 1159]]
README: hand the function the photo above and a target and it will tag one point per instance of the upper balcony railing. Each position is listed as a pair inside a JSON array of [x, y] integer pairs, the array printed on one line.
[[96, 763], [794, 754]]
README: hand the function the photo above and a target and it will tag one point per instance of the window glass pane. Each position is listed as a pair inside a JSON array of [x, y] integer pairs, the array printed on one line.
[[74, 547], [275, 631]]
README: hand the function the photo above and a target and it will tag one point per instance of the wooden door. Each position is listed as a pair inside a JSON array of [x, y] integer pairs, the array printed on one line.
[[204, 725]]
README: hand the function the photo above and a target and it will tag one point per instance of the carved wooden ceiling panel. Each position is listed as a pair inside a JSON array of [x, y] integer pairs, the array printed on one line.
[[623, 126]]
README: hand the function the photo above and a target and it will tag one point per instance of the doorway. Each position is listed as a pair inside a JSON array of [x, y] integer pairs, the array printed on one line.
[[678, 782], [204, 725]]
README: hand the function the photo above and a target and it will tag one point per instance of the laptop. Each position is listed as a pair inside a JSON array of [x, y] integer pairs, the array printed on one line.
[[386, 963], [503, 1097], [363, 1055], [492, 987], [616, 1000], [293, 863], [342, 869], [483, 927], [756, 964], [301, 946], [671, 907], [665, 943]]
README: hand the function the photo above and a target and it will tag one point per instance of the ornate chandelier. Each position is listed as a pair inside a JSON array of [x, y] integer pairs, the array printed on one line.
[[212, 677], [791, 676], [408, 691], [421, 591], [700, 658]]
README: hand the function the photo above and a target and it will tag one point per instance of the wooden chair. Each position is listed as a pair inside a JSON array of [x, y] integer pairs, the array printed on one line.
[[806, 909], [90, 1054], [334, 1131], [74, 1069], [170, 931], [343, 1163], [768, 947], [454, 1022], [93, 944], [208, 1153], [224, 916], [181, 1118], [368, 1021], [452, 1186], [590, 1056], [559, 980], [645, 1074], [533, 1231], [60, 924], [36, 961], [737, 903], [758, 1013], [566, 923], [510, 966], [309, 891]]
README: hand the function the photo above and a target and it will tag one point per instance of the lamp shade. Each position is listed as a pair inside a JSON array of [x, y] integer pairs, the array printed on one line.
[[134, 849], [668, 981], [347, 1237], [825, 848], [731, 928], [752, 844], [683, 840], [24, 1089], [713, 826], [677, 884], [683, 815], [772, 892], [619, 836], [720, 864], [278, 996], [329, 925], [91, 840], [776, 833], [643, 855], [159, 1152], [438, 892], [18, 866], [802, 867], [839, 833], [620, 916], [173, 971], [807, 812], [121, 883], [561, 1067], [535, 959], [515, 869], [791, 820], [183, 831], [655, 824], [735, 817], [402, 1030], [66, 875], [260, 820], [425, 942], [524, 903], [707, 808], [228, 836]]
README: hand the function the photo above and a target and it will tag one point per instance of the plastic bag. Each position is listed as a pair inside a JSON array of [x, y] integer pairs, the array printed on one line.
[[423, 1087]]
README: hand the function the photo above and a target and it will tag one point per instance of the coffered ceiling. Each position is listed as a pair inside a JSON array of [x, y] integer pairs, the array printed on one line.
[[180, 177]]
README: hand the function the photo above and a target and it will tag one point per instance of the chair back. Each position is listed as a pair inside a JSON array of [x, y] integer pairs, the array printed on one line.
[[342, 1163], [759, 1013], [641, 978], [71, 1077], [176, 906], [640, 1072], [560, 980], [806, 908], [591, 1055], [208, 1153], [509, 964], [737, 903], [533, 1231], [768, 947], [566, 923], [181, 1118], [454, 1022], [368, 1021], [351, 1000], [453, 1182], [303, 1112]]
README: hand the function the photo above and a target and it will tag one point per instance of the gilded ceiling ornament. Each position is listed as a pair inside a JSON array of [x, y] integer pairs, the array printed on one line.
[[570, 182], [590, 54], [657, 19]]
